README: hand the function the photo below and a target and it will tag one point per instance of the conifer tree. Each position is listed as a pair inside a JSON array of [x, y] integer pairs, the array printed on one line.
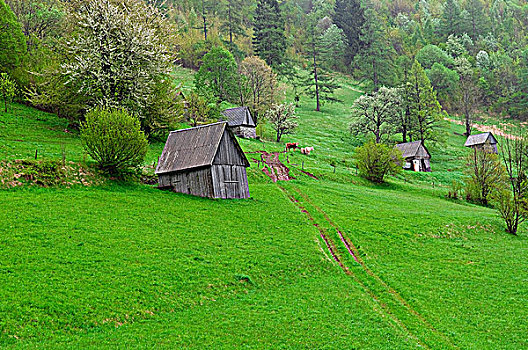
[[479, 21], [349, 16], [269, 41], [232, 12], [450, 22], [375, 59], [319, 84]]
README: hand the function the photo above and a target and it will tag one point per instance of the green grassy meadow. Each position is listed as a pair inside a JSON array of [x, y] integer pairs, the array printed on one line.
[[127, 265]]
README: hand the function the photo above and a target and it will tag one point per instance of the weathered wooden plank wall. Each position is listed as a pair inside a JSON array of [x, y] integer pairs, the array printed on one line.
[[195, 182], [230, 181], [227, 152]]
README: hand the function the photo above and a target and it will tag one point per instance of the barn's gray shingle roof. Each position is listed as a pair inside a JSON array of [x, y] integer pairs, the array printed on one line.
[[410, 149], [238, 116], [480, 139], [190, 148]]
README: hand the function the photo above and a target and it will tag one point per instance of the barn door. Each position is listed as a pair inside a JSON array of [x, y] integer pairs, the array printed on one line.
[[231, 182]]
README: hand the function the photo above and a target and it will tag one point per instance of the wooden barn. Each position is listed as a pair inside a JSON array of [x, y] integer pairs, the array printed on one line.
[[417, 157], [205, 161], [485, 141], [241, 122]]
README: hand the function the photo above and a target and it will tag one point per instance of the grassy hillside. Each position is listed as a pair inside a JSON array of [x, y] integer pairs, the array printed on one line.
[[120, 265]]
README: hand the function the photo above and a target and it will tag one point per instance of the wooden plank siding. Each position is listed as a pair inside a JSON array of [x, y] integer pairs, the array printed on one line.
[[228, 152], [205, 161], [198, 182], [230, 181]]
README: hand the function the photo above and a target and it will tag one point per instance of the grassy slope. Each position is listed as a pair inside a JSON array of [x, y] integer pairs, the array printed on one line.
[[132, 265]]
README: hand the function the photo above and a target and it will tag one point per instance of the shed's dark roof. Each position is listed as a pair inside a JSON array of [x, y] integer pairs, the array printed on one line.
[[480, 139], [238, 116], [411, 149], [191, 148]]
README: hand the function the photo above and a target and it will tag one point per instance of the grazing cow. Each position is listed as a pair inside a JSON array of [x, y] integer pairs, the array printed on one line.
[[292, 146], [307, 150]]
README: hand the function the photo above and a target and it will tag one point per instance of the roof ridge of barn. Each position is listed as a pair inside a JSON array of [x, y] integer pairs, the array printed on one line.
[[237, 116], [478, 139], [199, 126], [410, 149]]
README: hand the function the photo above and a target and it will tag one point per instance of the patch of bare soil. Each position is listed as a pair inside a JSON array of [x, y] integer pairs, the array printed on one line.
[[494, 129], [23, 172], [274, 168]]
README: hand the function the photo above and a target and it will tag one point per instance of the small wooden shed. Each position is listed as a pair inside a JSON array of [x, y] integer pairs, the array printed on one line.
[[417, 157], [241, 122], [485, 141], [204, 161]]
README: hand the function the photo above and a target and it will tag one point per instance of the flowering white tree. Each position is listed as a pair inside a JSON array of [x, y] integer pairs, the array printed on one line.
[[377, 113], [119, 56], [281, 117]]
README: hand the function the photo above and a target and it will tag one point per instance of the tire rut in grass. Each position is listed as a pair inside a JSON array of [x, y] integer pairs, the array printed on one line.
[[379, 306], [354, 253], [371, 282]]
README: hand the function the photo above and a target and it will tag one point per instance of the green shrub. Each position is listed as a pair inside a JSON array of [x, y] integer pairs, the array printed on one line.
[[375, 160], [114, 139], [485, 174], [12, 41], [7, 89]]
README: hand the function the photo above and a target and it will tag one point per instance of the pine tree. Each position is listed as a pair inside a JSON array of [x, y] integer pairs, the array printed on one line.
[[479, 21], [349, 16], [450, 22], [319, 84], [375, 59], [269, 41], [232, 12]]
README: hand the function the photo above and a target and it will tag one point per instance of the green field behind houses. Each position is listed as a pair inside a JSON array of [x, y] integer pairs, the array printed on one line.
[[127, 265]]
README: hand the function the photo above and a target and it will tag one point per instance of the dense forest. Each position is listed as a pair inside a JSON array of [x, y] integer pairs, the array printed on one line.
[[474, 53]]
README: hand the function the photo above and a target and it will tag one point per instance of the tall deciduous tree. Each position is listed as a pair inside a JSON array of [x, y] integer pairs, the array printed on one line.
[[468, 92], [423, 106], [269, 41], [282, 119], [485, 175], [377, 113], [512, 201], [39, 19], [349, 16], [12, 41], [119, 55], [218, 75], [259, 86]]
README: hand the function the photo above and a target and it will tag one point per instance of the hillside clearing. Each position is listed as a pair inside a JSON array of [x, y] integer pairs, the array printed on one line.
[[129, 265]]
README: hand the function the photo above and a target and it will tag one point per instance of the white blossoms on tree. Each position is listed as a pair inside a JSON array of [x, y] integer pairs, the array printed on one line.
[[281, 118], [119, 55]]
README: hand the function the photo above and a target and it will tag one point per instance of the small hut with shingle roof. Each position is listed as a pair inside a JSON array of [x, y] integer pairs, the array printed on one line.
[[204, 161], [485, 141], [241, 122], [416, 156]]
